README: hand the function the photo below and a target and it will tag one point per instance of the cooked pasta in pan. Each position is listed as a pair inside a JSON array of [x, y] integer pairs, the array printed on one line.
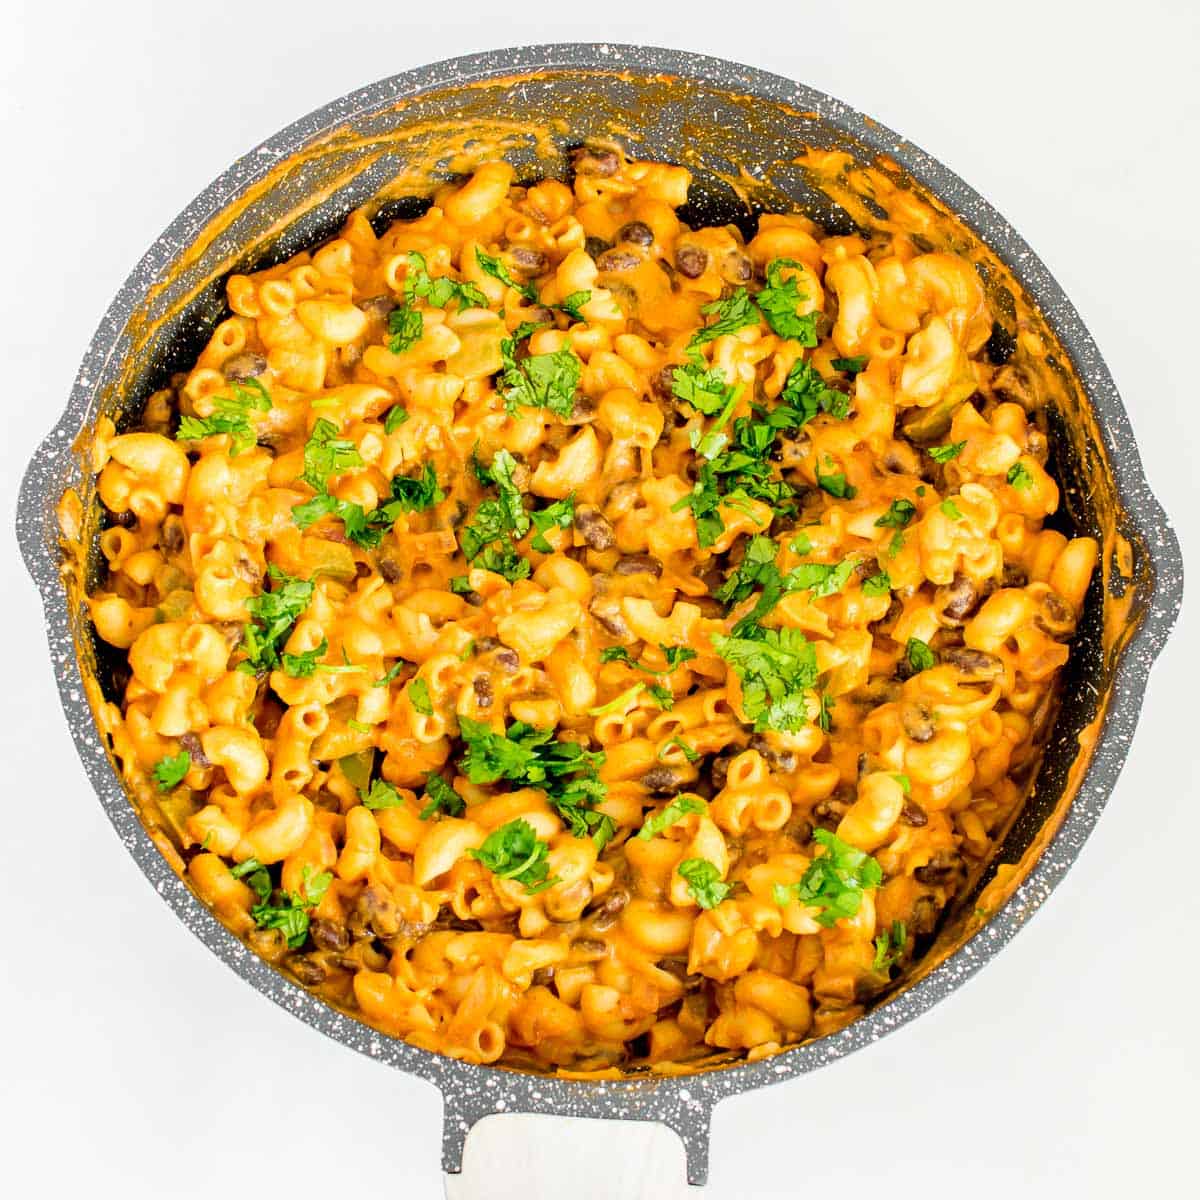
[[562, 636]]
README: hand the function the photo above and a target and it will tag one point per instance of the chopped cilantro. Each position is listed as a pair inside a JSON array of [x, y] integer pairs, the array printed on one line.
[[691, 755], [273, 615], [396, 416], [893, 941], [835, 881], [382, 795], [442, 798], [898, 515], [920, 656], [943, 454], [780, 299], [290, 915], [573, 303], [666, 817], [530, 757], [540, 380], [951, 510], [836, 485], [877, 585], [559, 515], [737, 312], [391, 673], [776, 667], [514, 851], [1019, 476], [230, 415], [419, 698], [405, 327], [851, 366], [439, 292], [807, 394], [169, 772], [492, 266], [704, 882]]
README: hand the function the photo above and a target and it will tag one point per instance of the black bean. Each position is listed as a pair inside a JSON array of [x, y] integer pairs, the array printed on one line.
[[661, 780], [1054, 616], [913, 814], [328, 935], [638, 564], [307, 971], [594, 527], [583, 411], [542, 977], [636, 232], [691, 261], [605, 914], [608, 614], [940, 869], [483, 691], [618, 260], [507, 659], [589, 949], [958, 599], [663, 381], [172, 534], [380, 307], [595, 246], [191, 743], [1014, 576], [737, 268], [378, 913], [593, 160], [126, 519], [390, 570], [975, 664], [917, 722], [532, 262], [719, 771], [247, 365]]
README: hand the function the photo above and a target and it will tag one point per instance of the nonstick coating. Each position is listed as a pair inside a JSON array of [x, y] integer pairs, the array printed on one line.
[[677, 105]]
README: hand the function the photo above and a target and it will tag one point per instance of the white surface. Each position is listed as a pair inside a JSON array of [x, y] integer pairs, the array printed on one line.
[[135, 1064]]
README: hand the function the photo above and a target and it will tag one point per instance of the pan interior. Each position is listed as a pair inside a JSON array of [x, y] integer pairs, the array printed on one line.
[[748, 155]]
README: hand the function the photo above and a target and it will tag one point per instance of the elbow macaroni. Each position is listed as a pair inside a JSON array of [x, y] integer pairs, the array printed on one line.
[[935, 651]]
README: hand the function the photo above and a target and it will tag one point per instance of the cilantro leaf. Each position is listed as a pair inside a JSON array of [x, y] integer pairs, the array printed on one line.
[[898, 515], [704, 882], [531, 757], [290, 915], [877, 585], [895, 940], [822, 579], [396, 416], [806, 394], [559, 515], [406, 326], [572, 304], [851, 366], [382, 795], [540, 380], [776, 667], [779, 301], [169, 772], [256, 875], [416, 493], [302, 665], [442, 798], [920, 656], [835, 881], [943, 454], [691, 755], [666, 817], [390, 674], [514, 851], [951, 509], [230, 415], [419, 698], [441, 291], [703, 388], [836, 485], [491, 265], [676, 655], [273, 615], [732, 314], [326, 454], [1019, 476]]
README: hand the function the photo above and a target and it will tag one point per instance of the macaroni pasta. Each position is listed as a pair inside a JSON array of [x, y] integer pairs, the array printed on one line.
[[565, 637]]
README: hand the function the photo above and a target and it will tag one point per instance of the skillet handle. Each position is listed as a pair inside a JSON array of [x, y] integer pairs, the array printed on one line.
[[632, 1156]]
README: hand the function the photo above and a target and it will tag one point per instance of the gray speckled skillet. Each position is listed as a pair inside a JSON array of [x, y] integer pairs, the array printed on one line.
[[674, 106]]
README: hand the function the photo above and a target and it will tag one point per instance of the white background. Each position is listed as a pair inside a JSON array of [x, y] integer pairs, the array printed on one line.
[[133, 1063]]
